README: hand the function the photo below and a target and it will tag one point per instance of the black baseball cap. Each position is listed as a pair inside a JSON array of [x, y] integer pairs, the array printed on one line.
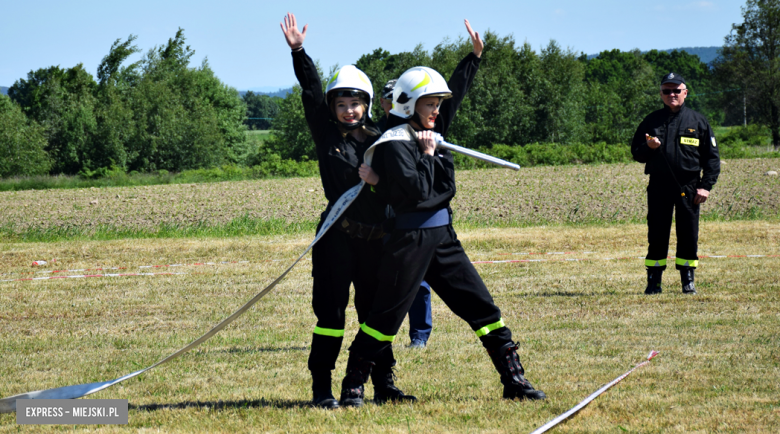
[[673, 78], [387, 91]]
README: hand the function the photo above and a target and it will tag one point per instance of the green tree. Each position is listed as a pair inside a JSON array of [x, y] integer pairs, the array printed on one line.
[[621, 91], [260, 110], [22, 143], [63, 102], [750, 60], [291, 138], [185, 117], [560, 113]]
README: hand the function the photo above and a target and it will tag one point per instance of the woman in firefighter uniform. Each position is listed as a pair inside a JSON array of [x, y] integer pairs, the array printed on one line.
[[349, 252], [419, 182]]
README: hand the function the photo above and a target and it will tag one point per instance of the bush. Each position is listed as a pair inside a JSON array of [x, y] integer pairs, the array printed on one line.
[[550, 154], [750, 135]]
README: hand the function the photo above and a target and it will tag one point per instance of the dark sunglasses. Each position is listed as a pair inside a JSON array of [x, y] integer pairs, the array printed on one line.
[[672, 91]]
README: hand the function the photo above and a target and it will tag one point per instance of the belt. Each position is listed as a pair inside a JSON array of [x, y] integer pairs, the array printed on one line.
[[359, 230], [423, 219]]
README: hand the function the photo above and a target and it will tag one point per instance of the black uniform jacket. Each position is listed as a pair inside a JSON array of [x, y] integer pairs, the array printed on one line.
[[412, 181], [339, 156], [687, 142]]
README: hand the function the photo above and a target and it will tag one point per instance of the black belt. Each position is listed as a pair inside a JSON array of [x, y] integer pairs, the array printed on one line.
[[359, 230]]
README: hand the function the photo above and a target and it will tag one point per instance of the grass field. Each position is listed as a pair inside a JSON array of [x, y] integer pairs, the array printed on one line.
[[580, 323]]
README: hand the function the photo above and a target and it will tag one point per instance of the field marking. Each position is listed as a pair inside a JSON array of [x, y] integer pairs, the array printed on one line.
[[507, 261]]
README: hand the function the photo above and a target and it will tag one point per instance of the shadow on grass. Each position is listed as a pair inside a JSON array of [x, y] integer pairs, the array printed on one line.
[[224, 405]]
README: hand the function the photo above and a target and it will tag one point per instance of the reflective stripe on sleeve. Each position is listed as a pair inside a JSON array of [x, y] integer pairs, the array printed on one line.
[[687, 262], [655, 262], [376, 334], [489, 328], [336, 333]]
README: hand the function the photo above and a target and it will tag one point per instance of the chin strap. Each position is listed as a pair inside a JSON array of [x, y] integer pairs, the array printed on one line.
[[350, 126], [418, 121]]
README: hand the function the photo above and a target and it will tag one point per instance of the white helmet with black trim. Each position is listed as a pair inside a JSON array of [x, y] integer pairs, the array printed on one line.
[[350, 81], [414, 84]]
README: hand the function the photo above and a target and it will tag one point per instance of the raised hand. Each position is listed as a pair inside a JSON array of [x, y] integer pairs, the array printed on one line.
[[291, 33], [479, 44]]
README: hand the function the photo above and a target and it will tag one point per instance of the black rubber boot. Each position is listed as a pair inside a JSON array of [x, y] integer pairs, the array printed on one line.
[[352, 389], [322, 394], [507, 364], [686, 277], [385, 388], [654, 276]]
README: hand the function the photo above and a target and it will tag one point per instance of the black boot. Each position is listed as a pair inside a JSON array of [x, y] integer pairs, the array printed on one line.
[[352, 390], [686, 277], [384, 386], [320, 386], [654, 275], [507, 364]]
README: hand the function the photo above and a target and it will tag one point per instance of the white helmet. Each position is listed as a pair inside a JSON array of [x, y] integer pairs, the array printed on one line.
[[413, 84], [347, 79]]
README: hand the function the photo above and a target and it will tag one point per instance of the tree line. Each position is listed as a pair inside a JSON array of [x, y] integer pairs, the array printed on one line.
[[161, 113]]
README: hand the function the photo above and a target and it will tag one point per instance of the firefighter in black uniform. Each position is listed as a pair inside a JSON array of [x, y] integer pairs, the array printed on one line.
[[348, 253], [419, 182], [420, 316], [677, 145]]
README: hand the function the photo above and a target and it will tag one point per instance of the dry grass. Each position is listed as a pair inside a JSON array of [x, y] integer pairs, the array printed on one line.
[[579, 325], [533, 196]]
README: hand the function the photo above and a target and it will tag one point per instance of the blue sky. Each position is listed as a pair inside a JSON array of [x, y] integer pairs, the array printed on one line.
[[246, 48]]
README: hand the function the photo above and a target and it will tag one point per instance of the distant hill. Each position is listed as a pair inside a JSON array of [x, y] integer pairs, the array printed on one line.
[[281, 93], [706, 54], [4, 90]]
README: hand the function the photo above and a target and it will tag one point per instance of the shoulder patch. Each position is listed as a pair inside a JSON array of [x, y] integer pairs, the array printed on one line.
[[714, 145]]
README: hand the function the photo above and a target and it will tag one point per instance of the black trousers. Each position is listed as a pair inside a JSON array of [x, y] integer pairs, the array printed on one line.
[[435, 255], [663, 198], [338, 261]]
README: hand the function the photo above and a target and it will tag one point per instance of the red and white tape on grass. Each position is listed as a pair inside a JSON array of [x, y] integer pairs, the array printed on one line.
[[516, 261], [82, 276], [508, 261], [586, 401]]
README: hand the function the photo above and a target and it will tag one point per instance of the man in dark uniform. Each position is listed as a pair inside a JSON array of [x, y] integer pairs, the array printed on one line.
[[680, 154], [386, 102]]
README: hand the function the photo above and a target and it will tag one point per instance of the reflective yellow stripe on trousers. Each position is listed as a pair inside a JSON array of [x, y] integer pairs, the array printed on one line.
[[329, 332], [376, 334], [489, 328]]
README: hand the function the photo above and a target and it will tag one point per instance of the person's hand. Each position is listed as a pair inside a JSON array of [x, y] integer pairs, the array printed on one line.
[[652, 142], [291, 33], [367, 174], [701, 196], [479, 44], [425, 140]]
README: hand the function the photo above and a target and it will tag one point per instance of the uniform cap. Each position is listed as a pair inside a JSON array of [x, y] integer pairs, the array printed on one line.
[[673, 78], [387, 91]]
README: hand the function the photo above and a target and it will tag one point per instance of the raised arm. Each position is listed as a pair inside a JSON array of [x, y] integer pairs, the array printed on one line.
[[460, 82], [314, 105]]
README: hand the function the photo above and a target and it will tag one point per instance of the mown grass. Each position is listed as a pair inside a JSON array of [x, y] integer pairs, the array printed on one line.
[[579, 325]]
